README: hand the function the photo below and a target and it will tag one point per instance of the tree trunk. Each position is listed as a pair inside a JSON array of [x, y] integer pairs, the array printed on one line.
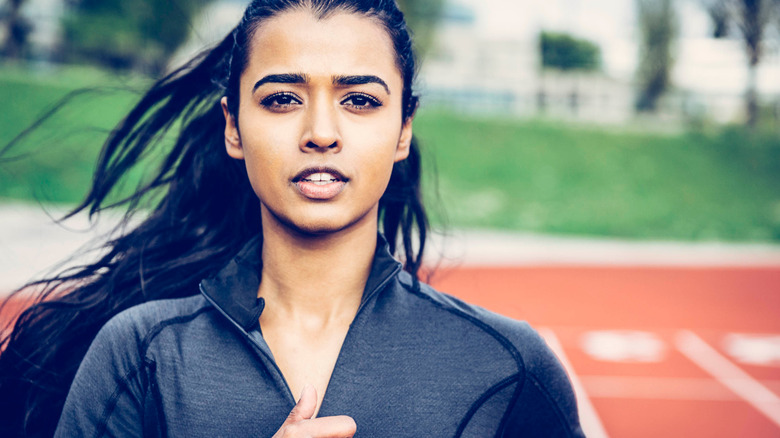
[[752, 25], [751, 95], [17, 30]]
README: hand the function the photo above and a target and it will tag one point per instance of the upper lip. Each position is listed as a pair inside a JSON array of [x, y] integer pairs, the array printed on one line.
[[319, 169]]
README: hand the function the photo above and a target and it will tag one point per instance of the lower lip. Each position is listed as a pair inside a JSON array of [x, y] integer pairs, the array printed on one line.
[[320, 192]]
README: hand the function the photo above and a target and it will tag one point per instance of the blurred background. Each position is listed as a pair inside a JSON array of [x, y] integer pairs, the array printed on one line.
[[640, 119], [578, 147]]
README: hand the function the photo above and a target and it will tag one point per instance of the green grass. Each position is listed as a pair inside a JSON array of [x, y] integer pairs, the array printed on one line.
[[55, 161], [518, 175], [548, 177]]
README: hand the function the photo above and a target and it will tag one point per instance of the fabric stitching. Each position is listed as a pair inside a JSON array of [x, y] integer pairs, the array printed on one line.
[[160, 326], [490, 392], [558, 413], [123, 385], [491, 331]]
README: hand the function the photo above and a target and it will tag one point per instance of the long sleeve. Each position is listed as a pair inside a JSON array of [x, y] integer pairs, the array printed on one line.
[[546, 405], [107, 396]]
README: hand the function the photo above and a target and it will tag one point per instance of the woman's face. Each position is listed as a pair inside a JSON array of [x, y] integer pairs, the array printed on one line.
[[319, 122]]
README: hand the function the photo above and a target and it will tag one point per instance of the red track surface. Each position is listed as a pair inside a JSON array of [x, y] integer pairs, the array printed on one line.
[[670, 395]]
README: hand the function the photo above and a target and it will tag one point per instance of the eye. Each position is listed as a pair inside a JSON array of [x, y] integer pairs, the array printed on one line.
[[361, 102], [280, 101]]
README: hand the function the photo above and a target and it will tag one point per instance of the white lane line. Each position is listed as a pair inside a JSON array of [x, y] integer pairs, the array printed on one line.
[[730, 375], [589, 419]]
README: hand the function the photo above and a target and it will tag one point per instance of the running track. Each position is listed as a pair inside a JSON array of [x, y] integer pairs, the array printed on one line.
[[654, 351]]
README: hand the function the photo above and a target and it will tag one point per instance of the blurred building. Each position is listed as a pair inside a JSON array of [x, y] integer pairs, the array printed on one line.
[[485, 58], [474, 71]]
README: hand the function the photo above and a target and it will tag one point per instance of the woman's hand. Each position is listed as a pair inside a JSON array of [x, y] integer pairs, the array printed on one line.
[[299, 423]]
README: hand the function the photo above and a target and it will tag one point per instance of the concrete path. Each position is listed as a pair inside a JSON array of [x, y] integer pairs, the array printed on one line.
[[32, 245]]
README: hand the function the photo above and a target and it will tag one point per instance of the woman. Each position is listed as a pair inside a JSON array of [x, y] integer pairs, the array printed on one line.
[[296, 143]]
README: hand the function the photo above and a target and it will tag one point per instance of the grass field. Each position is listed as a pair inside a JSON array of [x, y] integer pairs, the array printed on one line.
[[549, 177], [538, 176]]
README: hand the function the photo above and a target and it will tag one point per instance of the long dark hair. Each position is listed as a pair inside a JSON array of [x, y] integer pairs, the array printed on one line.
[[201, 210]]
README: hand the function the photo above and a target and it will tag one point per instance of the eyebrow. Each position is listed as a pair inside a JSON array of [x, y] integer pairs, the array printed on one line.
[[360, 80], [287, 78], [298, 78]]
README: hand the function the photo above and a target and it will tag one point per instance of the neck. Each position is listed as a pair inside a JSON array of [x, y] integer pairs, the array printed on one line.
[[315, 280]]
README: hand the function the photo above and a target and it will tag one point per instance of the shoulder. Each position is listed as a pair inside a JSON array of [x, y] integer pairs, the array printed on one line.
[[112, 380], [121, 350], [544, 385], [140, 325], [517, 337]]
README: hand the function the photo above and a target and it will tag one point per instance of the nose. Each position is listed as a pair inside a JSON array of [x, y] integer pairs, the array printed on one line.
[[322, 130]]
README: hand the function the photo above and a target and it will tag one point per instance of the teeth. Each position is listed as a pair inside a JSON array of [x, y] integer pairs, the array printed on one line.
[[321, 178]]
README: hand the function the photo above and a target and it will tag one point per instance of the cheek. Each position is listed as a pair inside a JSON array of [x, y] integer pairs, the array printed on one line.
[[264, 142], [264, 157], [375, 157]]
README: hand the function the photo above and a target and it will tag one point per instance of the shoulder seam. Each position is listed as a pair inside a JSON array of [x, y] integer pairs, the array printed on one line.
[[100, 430], [160, 326], [557, 409], [492, 332], [490, 392], [123, 384], [482, 325]]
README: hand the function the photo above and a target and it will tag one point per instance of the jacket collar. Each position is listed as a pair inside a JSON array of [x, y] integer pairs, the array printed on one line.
[[233, 290]]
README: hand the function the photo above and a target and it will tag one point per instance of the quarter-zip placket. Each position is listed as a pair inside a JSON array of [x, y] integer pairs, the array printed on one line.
[[255, 335]]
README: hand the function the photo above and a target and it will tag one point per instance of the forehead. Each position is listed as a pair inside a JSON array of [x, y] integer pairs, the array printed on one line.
[[340, 44]]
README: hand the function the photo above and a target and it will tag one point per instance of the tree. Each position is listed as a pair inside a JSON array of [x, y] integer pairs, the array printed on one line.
[[752, 18], [719, 14], [658, 29], [17, 28], [565, 52], [560, 51], [128, 34], [422, 17]]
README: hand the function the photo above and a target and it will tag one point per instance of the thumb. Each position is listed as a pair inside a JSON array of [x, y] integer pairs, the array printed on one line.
[[305, 407]]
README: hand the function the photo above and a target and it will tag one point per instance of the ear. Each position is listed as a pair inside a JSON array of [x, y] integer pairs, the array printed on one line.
[[232, 138], [404, 141]]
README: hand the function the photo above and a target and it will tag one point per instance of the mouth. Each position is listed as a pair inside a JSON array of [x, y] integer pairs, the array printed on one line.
[[319, 176], [320, 183]]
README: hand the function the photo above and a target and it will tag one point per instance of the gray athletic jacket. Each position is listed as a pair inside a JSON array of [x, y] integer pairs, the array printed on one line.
[[415, 363]]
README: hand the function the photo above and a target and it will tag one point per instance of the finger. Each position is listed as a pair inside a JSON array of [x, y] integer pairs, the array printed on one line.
[[339, 426], [304, 409]]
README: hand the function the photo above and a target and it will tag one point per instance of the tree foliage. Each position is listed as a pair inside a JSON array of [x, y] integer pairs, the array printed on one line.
[[422, 16], [658, 29], [565, 52], [128, 34], [16, 28], [752, 18]]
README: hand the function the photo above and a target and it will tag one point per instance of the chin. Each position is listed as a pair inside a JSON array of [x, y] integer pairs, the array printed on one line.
[[320, 225], [316, 228]]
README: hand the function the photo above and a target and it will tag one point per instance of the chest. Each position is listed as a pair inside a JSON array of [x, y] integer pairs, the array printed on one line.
[[400, 382], [305, 358], [246, 400]]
